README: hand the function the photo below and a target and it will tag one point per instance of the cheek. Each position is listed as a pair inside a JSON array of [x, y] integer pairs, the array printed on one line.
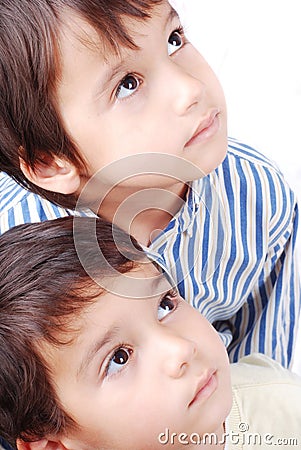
[[203, 71], [201, 331], [193, 61]]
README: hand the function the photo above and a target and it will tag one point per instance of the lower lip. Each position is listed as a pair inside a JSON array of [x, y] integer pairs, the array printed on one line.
[[206, 391], [206, 133]]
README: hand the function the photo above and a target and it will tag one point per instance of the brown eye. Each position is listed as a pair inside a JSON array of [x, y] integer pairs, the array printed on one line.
[[167, 304], [118, 360], [128, 86], [121, 356], [175, 41]]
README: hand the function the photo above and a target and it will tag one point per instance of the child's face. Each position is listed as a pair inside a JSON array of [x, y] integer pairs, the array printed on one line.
[[152, 99], [139, 366]]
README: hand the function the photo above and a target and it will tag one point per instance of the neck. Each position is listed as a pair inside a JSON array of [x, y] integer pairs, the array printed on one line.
[[143, 213]]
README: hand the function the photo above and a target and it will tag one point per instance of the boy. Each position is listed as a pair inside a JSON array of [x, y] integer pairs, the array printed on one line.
[[83, 368], [112, 92]]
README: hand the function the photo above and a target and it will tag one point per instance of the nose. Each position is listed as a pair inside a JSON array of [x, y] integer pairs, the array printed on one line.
[[176, 354], [186, 91]]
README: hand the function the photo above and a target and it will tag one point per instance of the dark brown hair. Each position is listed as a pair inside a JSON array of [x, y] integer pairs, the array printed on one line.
[[43, 286], [30, 125]]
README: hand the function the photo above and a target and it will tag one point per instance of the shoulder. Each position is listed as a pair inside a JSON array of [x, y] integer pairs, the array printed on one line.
[[11, 192], [245, 154], [245, 168], [18, 205], [247, 175], [266, 397], [259, 369], [249, 167]]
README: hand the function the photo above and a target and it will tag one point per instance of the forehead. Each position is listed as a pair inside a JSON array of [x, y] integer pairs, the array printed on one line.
[[87, 62], [115, 24], [99, 37], [113, 312], [135, 287]]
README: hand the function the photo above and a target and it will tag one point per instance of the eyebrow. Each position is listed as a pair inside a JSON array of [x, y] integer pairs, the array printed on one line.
[[171, 16], [161, 284], [95, 349], [114, 70]]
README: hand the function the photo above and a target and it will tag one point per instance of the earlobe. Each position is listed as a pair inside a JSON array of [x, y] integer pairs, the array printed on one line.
[[54, 174], [42, 444], [38, 445]]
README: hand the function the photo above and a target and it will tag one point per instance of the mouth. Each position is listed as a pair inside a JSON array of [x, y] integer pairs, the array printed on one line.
[[205, 388], [206, 129]]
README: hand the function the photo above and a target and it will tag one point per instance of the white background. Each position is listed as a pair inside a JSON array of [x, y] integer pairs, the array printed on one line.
[[255, 49]]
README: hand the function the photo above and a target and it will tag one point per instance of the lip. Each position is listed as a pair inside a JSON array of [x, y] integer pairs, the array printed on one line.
[[206, 129], [205, 387]]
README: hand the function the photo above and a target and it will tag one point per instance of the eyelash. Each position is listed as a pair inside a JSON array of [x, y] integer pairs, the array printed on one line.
[[137, 77], [180, 31], [119, 346], [172, 295]]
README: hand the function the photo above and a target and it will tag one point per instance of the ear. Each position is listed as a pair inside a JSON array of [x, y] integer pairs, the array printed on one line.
[[53, 174], [42, 444]]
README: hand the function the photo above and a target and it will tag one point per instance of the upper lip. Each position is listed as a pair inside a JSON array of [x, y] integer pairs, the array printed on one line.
[[205, 123], [202, 383]]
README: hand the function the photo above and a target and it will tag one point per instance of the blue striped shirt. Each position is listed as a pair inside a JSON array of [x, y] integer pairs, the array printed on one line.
[[230, 248]]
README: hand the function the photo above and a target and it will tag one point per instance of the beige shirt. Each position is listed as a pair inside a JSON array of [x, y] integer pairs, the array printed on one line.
[[266, 411]]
